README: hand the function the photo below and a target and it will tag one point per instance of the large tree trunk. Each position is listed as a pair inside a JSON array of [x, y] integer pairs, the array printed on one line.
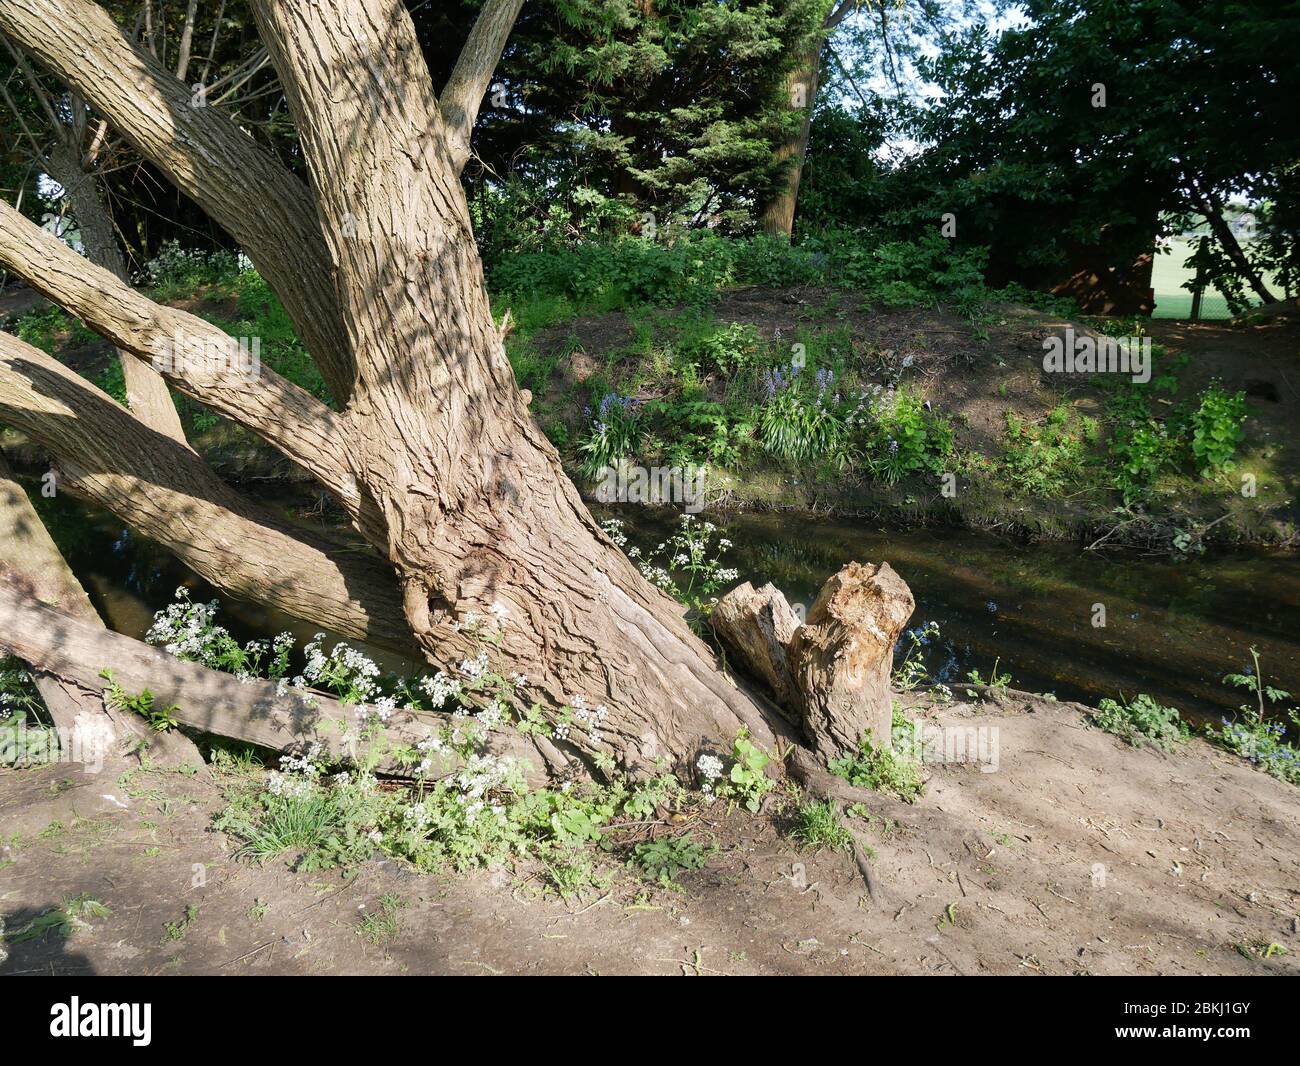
[[435, 454], [167, 493], [476, 506]]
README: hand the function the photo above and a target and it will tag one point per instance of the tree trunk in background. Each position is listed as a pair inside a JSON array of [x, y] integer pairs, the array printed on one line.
[[146, 392], [1213, 211], [777, 215]]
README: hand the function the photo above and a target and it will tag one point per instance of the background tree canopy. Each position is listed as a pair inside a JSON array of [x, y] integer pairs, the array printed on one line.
[[1047, 128]]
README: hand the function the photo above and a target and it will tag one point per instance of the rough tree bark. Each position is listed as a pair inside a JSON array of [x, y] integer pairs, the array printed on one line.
[[475, 505], [759, 626], [842, 656], [455, 486], [146, 392]]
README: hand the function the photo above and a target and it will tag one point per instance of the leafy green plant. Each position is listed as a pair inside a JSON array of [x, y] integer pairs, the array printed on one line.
[[177, 930], [1142, 721], [746, 782], [69, 918], [1253, 736], [994, 680], [880, 768], [802, 420], [614, 434], [1046, 458], [160, 718], [663, 858], [1217, 429], [900, 438]]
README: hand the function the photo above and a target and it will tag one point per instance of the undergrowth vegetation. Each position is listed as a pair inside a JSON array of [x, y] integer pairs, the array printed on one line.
[[455, 806], [811, 403]]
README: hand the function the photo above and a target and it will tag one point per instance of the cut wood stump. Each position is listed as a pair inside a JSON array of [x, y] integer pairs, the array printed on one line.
[[841, 658], [757, 626], [832, 674]]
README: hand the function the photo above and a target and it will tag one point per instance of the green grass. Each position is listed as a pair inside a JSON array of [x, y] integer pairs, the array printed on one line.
[[382, 926], [818, 825], [1173, 301]]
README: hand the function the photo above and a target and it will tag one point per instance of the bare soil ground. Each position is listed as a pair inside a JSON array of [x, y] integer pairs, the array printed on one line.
[[1077, 855]]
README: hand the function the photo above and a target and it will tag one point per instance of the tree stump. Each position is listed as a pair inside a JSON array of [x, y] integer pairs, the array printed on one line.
[[758, 625], [841, 658], [832, 675]]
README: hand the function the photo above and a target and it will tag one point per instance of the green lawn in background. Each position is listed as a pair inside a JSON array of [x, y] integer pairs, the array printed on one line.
[[1173, 301]]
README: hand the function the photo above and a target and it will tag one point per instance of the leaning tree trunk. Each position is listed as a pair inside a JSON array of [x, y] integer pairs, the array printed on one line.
[[476, 507], [1213, 211], [34, 569]]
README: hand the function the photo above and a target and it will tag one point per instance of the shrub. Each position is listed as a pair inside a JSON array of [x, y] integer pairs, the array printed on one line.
[[901, 438], [1217, 429], [1142, 721], [802, 420], [663, 859]]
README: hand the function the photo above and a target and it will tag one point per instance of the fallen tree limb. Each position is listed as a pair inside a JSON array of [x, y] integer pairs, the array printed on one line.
[[76, 651]]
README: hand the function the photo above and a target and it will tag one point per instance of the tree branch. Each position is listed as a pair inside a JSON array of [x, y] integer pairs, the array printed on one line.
[[167, 493], [238, 183], [463, 94], [200, 359]]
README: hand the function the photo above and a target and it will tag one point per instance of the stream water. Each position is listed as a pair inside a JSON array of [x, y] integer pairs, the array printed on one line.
[[1173, 627]]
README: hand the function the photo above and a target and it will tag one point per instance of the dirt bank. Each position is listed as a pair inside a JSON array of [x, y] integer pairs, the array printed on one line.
[[977, 375], [1075, 855]]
